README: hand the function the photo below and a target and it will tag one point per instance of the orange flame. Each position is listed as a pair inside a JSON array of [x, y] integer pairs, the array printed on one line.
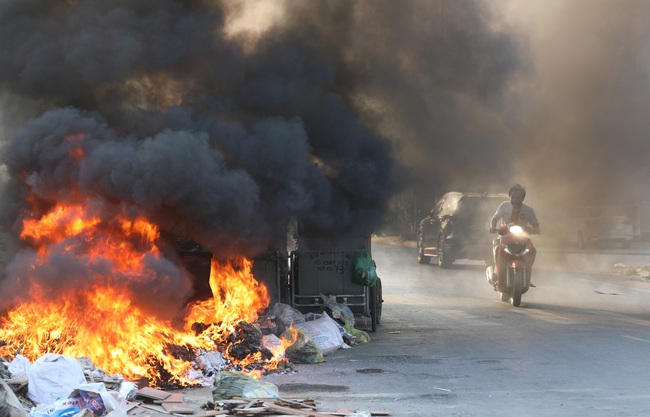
[[101, 321], [237, 296]]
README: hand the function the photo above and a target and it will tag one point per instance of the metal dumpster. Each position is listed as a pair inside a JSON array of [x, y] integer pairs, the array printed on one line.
[[325, 266]]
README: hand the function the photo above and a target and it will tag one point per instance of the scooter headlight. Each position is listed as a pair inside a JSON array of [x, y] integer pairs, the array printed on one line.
[[517, 230]]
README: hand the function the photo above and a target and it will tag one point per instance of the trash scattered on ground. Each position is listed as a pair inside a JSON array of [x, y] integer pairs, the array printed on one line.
[[234, 394], [55, 385]]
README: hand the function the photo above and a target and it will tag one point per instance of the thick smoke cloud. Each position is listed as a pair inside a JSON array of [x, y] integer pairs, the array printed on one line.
[[324, 116], [212, 142], [437, 73]]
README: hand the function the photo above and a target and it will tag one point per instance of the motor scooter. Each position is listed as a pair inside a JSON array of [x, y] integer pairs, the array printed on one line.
[[510, 278]]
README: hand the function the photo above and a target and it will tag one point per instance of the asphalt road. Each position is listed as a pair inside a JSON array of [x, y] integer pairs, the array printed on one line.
[[447, 346], [579, 344]]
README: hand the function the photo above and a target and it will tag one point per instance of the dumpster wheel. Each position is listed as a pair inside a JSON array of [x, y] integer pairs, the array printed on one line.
[[376, 302]]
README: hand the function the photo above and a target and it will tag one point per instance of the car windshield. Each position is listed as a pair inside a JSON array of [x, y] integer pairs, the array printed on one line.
[[480, 209]]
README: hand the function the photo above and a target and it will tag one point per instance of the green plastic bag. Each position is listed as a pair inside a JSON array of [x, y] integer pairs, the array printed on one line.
[[230, 384], [304, 349], [359, 335], [365, 270]]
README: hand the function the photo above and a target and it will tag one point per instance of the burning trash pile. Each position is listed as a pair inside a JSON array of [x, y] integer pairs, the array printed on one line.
[[56, 354], [94, 280], [55, 385], [101, 317], [104, 327]]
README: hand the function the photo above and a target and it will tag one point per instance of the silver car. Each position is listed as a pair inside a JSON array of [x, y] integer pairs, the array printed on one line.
[[457, 228]]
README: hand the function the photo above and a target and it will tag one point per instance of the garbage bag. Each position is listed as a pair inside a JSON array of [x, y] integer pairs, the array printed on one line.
[[52, 377], [19, 366], [64, 407], [339, 311], [286, 314], [100, 401], [304, 349], [323, 332], [365, 269], [229, 384], [359, 335]]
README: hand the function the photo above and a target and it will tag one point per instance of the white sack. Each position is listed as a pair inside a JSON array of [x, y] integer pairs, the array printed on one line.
[[324, 332], [52, 377]]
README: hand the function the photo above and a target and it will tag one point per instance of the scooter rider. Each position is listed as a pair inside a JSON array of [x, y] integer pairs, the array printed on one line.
[[514, 211]]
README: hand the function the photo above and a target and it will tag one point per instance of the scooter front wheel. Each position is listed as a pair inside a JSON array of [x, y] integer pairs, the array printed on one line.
[[517, 287]]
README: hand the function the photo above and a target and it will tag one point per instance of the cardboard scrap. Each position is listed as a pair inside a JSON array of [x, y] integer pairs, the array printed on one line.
[[153, 393], [176, 397]]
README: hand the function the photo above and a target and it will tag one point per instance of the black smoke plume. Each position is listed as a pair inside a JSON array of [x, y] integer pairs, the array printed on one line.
[[225, 138]]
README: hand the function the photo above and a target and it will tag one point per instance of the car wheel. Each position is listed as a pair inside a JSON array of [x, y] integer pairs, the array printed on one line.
[[422, 258], [444, 260]]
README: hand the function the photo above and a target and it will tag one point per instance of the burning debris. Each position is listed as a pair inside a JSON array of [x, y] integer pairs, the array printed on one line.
[[192, 360], [232, 368], [99, 319], [111, 261], [114, 261]]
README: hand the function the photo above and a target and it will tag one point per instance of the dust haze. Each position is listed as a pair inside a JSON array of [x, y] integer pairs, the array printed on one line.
[[582, 129]]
